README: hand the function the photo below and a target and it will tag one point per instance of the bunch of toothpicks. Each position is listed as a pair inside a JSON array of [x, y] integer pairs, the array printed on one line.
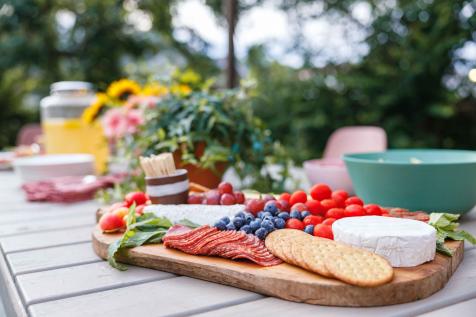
[[158, 165]]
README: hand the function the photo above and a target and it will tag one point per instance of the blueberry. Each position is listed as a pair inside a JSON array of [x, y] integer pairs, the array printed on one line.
[[304, 214], [240, 214], [295, 214], [255, 225], [260, 214], [261, 233], [283, 215], [268, 225], [249, 218], [246, 228], [230, 226], [271, 208], [226, 220], [267, 214], [279, 223], [309, 229], [220, 225], [238, 222]]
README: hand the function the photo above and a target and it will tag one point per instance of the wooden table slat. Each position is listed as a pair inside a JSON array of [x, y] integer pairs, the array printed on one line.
[[181, 296], [82, 279], [49, 258], [463, 309], [32, 241]]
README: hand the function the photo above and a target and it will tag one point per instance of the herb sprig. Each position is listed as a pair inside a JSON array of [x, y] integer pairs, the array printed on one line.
[[446, 228]]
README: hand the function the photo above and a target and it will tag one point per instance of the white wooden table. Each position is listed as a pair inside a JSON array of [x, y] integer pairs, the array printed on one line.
[[48, 268]]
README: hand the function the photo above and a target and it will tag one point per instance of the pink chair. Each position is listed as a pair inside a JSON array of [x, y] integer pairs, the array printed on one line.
[[331, 169]]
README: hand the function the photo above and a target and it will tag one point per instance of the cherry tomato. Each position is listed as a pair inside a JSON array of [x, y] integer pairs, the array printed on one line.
[[312, 220], [268, 197], [298, 197], [373, 210], [225, 188], [329, 221], [335, 213], [136, 197], [293, 223], [342, 194], [328, 204], [320, 192], [354, 200], [354, 211], [285, 196], [299, 207], [195, 199], [315, 207], [121, 211], [323, 231]]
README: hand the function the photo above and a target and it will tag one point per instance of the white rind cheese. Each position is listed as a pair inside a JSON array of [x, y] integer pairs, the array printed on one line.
[[199, 214], [403, 242]]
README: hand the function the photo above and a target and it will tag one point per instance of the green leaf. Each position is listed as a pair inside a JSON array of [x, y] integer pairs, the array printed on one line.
[[440, 247], [188, 223], [462, 235], [111, 255]]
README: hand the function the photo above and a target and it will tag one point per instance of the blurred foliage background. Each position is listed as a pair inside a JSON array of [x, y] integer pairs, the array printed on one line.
[[407, 81]]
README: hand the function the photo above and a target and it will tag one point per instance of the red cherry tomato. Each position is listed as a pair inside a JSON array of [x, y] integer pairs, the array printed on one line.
[[239, 197], [373, 210], [195, 199], [329, 221], [293, 223], [285, 196], [312, 220], [225, 188], [335, 213], [320, 192], [138, 197], [354, 200], [354, 211], [227, 199], [323, 231], [298, 197], [340, 194], [315, 207], [328, 204]]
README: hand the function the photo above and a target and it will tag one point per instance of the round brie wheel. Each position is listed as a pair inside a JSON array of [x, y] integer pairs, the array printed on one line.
[[403, 242]]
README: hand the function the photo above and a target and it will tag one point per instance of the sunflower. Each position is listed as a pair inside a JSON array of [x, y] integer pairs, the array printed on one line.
[[180, 89], [121, 89], [92, 112], [154, 89]]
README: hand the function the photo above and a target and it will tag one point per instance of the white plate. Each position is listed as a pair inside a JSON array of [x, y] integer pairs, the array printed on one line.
[[57, 165]]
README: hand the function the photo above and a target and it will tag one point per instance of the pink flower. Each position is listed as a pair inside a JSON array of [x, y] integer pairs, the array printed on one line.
[[114, 123], [141, 101], [134, 118]]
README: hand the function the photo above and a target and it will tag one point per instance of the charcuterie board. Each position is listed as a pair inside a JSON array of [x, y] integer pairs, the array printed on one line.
[[292, 283]]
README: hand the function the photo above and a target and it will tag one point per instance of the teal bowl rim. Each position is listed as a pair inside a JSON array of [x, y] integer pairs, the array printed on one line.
[[356, 157]]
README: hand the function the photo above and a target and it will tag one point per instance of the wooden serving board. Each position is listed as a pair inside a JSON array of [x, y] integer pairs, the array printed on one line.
[[289, 282]]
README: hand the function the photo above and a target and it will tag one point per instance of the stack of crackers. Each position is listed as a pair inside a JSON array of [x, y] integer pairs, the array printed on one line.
[[329, 258]]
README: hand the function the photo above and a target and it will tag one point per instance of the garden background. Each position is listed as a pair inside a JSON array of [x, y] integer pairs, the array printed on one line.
[[403, 65]]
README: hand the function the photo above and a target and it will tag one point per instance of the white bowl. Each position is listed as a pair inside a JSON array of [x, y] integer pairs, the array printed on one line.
[[330, 172], [56, 165]]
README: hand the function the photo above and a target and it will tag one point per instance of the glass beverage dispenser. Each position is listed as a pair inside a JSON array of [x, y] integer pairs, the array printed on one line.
[[63, 130]]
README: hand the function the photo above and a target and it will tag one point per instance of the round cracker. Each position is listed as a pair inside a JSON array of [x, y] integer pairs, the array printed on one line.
[[359, 267], [315, 254], [279, 243]]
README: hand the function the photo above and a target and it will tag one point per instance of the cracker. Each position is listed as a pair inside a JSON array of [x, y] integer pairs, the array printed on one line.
[[279, 243], [358, 267], [315, 254]]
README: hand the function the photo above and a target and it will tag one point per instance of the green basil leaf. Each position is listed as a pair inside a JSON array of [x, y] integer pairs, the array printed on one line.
[[111, 255], [462, 235], [188, 223], [440, 247]]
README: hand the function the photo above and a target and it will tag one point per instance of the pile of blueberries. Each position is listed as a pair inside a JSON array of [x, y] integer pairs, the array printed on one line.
[[266, 221]]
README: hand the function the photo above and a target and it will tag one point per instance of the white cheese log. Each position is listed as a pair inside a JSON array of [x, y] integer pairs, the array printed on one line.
[[199, 214], [403, 242]]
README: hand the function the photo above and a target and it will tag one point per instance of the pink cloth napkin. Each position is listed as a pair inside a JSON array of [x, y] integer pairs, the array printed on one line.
[[68, 189]]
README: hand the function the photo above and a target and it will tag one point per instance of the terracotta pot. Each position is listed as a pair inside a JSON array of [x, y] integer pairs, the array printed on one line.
[[203, 176]]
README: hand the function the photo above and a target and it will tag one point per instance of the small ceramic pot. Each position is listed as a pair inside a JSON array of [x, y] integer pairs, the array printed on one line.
[[168, 189]]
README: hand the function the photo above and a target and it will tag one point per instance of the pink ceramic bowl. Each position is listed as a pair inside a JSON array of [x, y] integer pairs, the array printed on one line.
[[330, 172]]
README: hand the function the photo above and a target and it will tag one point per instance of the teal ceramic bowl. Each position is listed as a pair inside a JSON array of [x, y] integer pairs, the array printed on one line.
[[428, 180]]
